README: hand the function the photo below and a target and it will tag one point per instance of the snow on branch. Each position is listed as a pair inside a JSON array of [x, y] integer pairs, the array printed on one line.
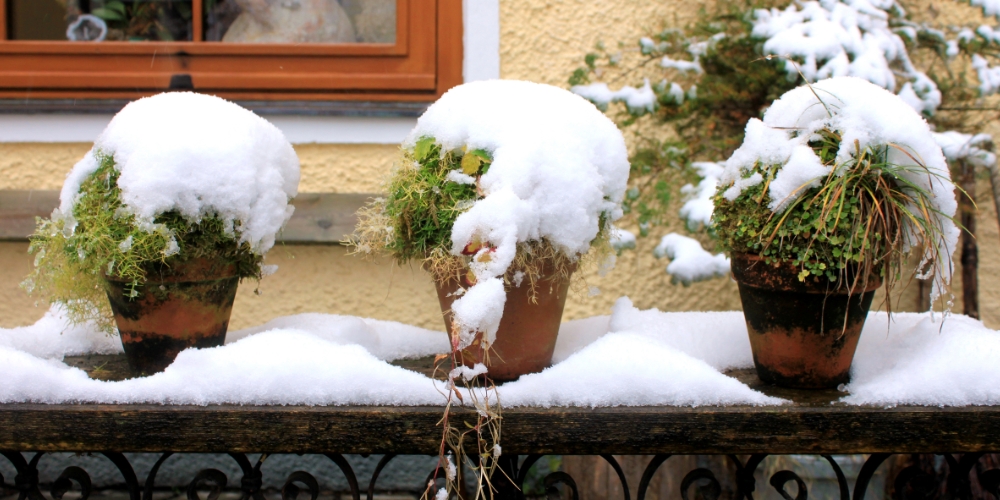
[[689, 262]]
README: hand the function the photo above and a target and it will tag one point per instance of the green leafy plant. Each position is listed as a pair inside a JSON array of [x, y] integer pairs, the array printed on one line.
[[849, 230], [75, 252], [414, 221], [149, 20], [716, 73], [426, 193]]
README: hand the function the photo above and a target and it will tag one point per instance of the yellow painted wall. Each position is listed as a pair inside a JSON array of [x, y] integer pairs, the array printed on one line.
[[541, 40]]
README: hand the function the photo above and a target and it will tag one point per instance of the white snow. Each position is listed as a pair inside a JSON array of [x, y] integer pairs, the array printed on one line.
[[925, 362], [633, 357], [199, 155], [53, 336], [989, 76], [972, 148], [558, 165], [990, 7], [681, 65], [830, 38], [636, 99], [384, 339], [458, 177], [698, 205], [622, 239], [865, 115], [322, 359], [630, 369], [689, 262]]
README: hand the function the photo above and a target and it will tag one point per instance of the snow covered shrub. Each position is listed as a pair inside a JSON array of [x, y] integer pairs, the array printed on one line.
[[702, 82], [500, 182], [842, 179], [174, 177], [694, 88]]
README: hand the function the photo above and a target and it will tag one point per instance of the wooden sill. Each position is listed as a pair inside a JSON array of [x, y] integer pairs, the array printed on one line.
[[319, 217]]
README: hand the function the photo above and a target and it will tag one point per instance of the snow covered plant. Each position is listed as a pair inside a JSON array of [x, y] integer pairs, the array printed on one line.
[[174, 177], [842, 179], [500, 184], [704, 82]]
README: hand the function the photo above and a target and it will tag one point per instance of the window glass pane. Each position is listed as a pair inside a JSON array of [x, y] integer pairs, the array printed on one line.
[[300, 21], [99, 20], [37, 20]]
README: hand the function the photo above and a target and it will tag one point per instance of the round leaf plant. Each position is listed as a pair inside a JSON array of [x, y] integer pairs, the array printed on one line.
[[841, 179]]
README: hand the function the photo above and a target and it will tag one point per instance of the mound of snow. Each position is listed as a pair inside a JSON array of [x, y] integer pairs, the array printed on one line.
[[198, 155], [920, 361], [631, 358], [54, 336], [559, 165]]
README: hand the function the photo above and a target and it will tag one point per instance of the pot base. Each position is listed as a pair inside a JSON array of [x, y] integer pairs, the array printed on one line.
[[803, 334], [527, 335], [800, 340], [168, 316]]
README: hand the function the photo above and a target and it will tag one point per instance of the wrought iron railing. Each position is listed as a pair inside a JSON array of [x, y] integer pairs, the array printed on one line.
[[909, 482]]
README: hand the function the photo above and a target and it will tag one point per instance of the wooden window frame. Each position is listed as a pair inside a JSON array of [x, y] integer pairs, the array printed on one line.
[[425, 61]]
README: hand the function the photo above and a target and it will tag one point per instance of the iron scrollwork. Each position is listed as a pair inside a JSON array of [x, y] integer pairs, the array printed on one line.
[[967, 477]]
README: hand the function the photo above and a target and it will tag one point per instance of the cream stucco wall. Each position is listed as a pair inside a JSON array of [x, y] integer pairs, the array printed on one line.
[[541, 40]]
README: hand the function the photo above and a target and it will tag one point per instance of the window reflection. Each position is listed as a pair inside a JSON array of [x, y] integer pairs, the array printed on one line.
[[300, 21], [100, 20], [231, 21]]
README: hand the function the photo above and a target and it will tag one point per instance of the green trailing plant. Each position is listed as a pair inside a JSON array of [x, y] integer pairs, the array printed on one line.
[[73, 255], [699, 114], [849, 230], [949, 70], [705, 111]]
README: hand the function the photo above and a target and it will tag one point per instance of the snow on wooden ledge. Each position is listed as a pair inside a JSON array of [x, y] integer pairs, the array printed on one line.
[[630, 358]]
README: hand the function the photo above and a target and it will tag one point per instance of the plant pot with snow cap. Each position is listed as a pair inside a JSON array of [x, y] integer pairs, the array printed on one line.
[[820, 206], [179, 199], [503, 188]]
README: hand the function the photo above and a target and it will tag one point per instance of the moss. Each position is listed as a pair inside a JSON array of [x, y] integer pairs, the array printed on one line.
[[423, 205], [71, 262], [414, 221]]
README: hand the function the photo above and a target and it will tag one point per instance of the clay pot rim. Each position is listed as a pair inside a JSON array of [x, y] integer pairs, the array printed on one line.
[[785, 277], [118, 279], [190, 271]]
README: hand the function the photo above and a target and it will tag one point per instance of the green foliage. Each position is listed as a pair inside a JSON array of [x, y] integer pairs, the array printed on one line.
[[415, 219], [736, 84], [534, 482], [423, 205], [851, 226], [655, 172], [164, 20], [74, 254]]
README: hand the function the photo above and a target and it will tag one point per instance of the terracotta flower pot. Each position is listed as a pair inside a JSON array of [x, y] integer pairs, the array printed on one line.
[[528, 331], [803, 334], [187, 305]]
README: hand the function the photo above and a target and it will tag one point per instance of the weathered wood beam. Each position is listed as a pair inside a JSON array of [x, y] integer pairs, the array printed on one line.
[[832, 429]]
